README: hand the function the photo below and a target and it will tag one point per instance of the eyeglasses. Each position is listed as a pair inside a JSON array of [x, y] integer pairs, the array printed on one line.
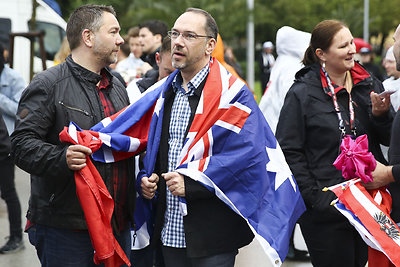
[[190, 36]]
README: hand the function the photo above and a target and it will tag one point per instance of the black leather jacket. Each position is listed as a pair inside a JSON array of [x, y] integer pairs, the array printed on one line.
[[64, 93]]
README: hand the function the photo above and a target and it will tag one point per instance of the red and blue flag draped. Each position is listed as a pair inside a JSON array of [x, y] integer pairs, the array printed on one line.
[[231, 150], [120, 136], [369, 212]]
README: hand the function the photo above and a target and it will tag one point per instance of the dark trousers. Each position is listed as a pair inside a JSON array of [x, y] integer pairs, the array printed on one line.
[[9, 194], [332, 243], [176, 257], [68, 248], [147, 257]]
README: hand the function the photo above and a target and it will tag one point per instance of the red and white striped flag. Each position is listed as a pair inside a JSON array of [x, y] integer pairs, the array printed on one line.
[[368, 211]]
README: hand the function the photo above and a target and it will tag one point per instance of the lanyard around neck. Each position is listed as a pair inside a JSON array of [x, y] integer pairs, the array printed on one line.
[[337, 108]]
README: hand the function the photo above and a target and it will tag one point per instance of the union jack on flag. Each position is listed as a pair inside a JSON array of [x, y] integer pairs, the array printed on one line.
[[230, 149]]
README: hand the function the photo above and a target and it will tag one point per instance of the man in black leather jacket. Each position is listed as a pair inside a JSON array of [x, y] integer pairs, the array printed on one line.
[[81, 90]]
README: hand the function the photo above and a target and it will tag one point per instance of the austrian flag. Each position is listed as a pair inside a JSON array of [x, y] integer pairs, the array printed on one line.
[[368, 212]]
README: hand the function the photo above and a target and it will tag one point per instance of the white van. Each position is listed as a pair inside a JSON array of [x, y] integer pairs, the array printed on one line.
[[14, 18]]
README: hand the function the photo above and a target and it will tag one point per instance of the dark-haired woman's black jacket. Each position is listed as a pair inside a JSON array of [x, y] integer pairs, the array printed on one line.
[[309, 135]]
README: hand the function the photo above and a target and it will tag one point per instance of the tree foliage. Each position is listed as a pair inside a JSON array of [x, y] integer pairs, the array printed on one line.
[[269, 15]]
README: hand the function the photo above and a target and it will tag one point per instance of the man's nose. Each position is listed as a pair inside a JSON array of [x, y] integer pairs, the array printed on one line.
[[120, 40]]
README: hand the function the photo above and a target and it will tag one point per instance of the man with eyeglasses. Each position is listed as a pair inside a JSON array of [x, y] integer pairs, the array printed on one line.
[[211, 233]]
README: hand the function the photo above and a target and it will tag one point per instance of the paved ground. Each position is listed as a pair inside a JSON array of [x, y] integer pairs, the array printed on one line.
[[27, 257]]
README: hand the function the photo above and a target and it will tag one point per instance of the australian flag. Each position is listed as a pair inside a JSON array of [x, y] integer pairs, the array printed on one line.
[[230, 149]]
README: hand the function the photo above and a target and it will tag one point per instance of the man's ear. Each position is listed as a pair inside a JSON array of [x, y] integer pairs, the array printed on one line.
[[87, 37], [320, 54], [158, 58], [210, 46], [158, 38]]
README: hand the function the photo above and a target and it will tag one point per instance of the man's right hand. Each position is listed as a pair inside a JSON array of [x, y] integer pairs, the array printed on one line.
[[76, 156], [149, 186]]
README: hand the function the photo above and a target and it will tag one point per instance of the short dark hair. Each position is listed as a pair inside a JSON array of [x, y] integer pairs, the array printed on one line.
[[211, 26], [85, 17], [165, 45], [133, 32], [125, 46], [156, 27], [321, 37]]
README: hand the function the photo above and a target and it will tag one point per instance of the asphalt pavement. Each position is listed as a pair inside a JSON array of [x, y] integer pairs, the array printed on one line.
[[27, 257]]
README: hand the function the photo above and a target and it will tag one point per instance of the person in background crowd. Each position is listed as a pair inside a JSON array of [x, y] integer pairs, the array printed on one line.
[[62, 52], [331, 97], [230, 58], [81, 90], [290, 47], [122, 55], [367, 60], [392, 83], [151, 34], [266, 61], [11, 87], [163, 59], [218, 53], [133, 67]]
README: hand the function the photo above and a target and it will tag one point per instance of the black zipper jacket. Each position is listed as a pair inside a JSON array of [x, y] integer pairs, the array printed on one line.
[[64, 93], [309, 135]]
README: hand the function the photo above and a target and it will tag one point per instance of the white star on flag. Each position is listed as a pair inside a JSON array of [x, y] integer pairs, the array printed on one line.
[[158, 106], [277, 163]]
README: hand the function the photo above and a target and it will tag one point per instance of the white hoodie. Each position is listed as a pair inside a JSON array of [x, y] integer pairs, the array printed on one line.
[[290, 47]]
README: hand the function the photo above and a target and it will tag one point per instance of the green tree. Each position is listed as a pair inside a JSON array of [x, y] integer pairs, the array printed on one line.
[[269, 15]]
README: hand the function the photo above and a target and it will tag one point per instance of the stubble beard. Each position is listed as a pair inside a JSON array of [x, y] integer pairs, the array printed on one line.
[[179, 66], [105, 56]]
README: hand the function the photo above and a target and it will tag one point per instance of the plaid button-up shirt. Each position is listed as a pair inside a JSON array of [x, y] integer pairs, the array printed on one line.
[[173, 234], [118, 185]]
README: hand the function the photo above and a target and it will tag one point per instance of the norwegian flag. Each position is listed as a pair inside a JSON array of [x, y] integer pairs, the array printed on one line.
[[230, 149], [368, 212]]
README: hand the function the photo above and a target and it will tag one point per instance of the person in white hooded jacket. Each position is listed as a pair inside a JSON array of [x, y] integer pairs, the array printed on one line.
[[393, 82], [290, 47]]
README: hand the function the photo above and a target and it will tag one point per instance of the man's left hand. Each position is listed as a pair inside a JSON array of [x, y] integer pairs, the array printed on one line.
[[175, 183]]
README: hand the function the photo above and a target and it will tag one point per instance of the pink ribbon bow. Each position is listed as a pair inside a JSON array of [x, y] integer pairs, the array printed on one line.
[[355, 160]]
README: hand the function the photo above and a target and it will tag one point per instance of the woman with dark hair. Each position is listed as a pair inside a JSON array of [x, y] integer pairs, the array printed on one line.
[[332, 96]]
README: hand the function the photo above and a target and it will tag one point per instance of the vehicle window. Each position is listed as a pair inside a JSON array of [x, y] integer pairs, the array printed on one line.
[[52, 38], [5, 29]]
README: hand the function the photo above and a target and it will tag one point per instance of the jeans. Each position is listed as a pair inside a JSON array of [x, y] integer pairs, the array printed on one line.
[[176, 257], [9, 194], [68, 248]]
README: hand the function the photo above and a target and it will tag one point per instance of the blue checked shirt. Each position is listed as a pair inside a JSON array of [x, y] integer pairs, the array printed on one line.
[[173, 234]]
